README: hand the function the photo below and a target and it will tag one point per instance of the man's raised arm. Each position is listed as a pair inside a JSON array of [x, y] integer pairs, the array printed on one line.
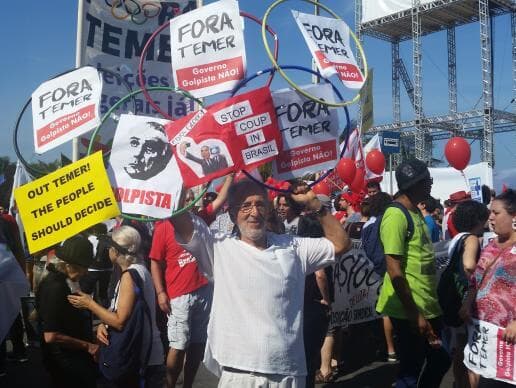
[[183, 224], [332, 228]]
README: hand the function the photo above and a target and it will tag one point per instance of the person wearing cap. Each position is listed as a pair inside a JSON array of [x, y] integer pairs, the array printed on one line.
[[409, 292], [125, 251], [67, 345], [449, 229]]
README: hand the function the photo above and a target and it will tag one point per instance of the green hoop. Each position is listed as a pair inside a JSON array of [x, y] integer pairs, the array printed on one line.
[[284, 75], [115, 107]]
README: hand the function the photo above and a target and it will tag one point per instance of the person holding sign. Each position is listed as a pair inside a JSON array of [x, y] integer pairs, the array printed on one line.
[[67, 345], [259, 280], [492, 291]]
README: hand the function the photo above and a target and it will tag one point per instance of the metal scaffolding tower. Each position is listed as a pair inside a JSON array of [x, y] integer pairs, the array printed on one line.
[[425, 18]]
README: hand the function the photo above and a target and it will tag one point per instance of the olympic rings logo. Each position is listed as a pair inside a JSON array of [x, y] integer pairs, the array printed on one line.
[[137, 11]]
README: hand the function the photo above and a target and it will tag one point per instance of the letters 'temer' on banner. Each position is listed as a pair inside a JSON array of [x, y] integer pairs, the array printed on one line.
[[115, 44], [309, 131], [328, 41], [488, 354], [208, 51], [65, 202], [65, 107], [142, 169], [239, 133]]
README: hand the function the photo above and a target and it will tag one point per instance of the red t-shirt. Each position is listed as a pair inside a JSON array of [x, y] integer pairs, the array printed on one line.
[[182, 275]]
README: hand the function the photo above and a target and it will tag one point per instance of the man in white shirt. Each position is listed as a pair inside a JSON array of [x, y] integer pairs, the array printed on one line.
[[255, 332]]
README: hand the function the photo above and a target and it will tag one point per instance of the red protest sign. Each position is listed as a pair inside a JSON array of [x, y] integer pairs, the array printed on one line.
[[235, 134]]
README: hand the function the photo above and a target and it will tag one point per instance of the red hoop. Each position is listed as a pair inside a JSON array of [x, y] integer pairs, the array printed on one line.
[[165, 25]]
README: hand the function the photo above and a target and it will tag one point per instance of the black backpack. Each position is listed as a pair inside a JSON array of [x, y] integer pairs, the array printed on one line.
[[123, 354], [453, 285], [372, 244]]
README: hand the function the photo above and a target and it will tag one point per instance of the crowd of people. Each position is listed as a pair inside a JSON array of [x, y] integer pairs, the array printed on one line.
[[244, 281]]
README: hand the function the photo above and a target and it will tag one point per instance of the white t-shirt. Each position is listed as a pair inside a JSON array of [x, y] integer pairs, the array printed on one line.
[[156, 355], [256, 318], [291, 227]]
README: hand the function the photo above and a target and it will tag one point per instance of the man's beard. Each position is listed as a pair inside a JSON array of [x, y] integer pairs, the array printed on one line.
[[251, 233]]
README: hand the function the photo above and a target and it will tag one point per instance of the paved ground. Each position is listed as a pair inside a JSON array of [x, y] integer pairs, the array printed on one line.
[[373, 375]]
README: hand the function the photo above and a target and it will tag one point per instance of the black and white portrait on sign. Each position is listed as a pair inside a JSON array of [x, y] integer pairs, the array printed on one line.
[[149, 151], [142, 168]]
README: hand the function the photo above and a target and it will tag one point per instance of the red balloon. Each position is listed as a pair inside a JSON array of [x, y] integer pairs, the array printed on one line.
[[375, 161], [346, 170], [358, 182], [321, 188], [457, 152]]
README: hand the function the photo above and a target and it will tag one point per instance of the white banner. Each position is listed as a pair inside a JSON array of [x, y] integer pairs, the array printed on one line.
[[116, 45], [13, 285], [309, 131], [328, 41], [488, 354], [142, 170], [65, 107], [375, 9], [208, 51], [448, 180], [356, 288]]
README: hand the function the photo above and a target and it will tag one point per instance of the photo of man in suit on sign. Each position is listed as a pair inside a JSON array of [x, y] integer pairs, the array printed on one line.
[[211, 159]]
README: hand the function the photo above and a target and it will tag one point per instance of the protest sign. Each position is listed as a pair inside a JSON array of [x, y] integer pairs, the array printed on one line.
[[116, 45], [142, 169], [13, 286], [367, 103], [488, 354], [328, 41], [356, 288], [235, 134], [65, 202], [208, 52], [309, 131], [65, 107]]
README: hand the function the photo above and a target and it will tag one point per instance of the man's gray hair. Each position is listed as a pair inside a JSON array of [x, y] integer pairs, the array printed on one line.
[[129, 238], [242, 187]]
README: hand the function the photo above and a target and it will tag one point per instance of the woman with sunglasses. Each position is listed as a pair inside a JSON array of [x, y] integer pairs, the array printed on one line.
[[124, 252]]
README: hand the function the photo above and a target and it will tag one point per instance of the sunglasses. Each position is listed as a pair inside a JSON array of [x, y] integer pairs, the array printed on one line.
[[112, 244]]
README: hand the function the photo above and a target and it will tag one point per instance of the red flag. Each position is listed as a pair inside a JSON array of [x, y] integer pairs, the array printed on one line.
[[239, 133]]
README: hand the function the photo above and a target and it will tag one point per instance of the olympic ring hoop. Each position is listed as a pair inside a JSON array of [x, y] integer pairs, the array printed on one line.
[[165, 25], [346, 129], [36, 173], [139, 14], [115, 107], [284, 75]]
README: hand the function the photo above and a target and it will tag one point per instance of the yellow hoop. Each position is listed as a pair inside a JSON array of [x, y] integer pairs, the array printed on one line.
[[284, 75]]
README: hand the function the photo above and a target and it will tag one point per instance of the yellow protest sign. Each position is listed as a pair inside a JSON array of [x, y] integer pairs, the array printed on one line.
[[65, 202]]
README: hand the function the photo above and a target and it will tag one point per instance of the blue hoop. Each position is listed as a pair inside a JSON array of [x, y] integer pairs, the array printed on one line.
[[245, 81]]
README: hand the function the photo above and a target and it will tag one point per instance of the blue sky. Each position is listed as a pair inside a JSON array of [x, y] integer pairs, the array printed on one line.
[[38, 41]]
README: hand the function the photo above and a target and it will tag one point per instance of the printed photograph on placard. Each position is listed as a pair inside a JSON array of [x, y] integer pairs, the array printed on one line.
[[142, 168], [207, 157]]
